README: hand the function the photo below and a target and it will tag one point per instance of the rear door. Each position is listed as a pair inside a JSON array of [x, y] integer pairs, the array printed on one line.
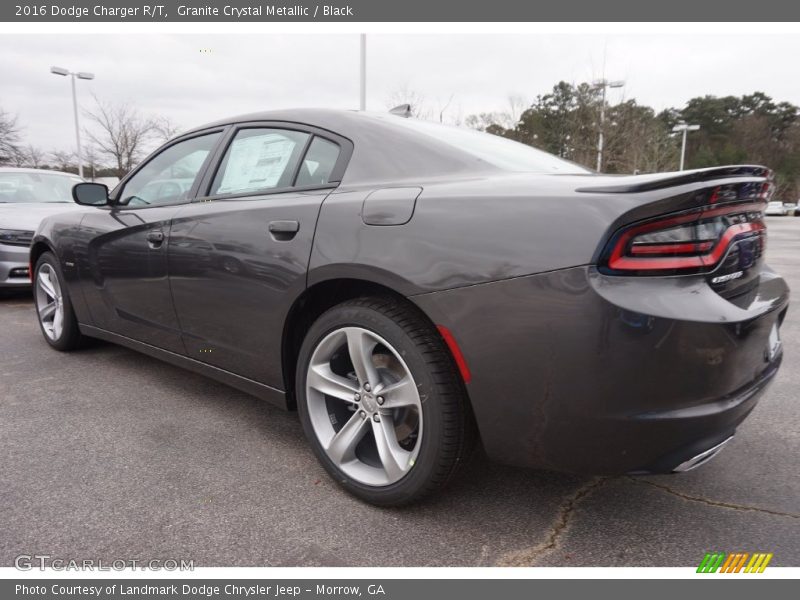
[[238, 255], [125, 269]]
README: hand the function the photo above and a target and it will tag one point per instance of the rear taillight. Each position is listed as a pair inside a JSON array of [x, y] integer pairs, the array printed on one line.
[[689, 242]]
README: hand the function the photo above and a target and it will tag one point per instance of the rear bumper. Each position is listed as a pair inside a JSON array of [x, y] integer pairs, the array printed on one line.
[[14, 266], [576, 371], [692, 436]]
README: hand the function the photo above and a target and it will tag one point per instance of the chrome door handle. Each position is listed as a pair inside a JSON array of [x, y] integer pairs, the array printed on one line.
[[284, 226], [283, 231], [155, 238]]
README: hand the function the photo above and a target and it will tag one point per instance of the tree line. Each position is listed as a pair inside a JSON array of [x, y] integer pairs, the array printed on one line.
[[116, 140], [752, 128]]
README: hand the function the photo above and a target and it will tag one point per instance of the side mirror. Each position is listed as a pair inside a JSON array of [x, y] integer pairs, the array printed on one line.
[[90, 194]]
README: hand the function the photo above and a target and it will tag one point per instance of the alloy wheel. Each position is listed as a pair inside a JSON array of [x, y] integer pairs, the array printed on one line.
[[364, 406], [49, 302]]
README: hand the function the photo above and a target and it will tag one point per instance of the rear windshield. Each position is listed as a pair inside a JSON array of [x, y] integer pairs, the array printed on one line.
[[36, 187], [497, 151]]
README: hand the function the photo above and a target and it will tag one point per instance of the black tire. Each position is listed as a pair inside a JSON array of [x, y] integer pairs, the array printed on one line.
[[449, 432], [70, 337]]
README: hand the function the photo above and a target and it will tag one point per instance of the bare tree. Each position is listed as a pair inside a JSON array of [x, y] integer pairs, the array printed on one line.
[[34, 156], [122, 133], [90, 155], [485, 120], [10, 149], [405, 95], [457, 119], [20, 158], [63, 160], [164, 128], [443, 108], [517, 105], [636, 141]]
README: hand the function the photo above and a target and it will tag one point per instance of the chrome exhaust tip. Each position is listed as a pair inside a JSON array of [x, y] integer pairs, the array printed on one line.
[[700, 459]]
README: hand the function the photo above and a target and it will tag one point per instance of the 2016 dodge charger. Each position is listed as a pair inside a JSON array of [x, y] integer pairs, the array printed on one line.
[[411, 287]]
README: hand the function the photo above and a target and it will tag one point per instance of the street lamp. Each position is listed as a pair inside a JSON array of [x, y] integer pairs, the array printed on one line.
[[363, 78], [79, 75], [683, 127], [603, 84]]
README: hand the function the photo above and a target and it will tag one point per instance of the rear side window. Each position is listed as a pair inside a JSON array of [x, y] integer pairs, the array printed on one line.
[[259, 159], [319, 163]]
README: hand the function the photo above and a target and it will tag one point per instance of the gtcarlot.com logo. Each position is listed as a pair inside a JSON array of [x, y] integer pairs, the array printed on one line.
[[28, 562], [734, 562]]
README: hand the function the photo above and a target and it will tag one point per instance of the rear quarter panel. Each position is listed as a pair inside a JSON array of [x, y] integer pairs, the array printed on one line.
[[466, 232], [485, 228]]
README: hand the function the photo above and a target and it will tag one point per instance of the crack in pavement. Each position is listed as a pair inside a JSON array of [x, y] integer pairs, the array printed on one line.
[[527, 556], [714, 503]]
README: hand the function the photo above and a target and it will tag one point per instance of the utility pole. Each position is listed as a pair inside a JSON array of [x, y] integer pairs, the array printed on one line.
[[79, 75], [363, 90], [603, 85], [684, 128]]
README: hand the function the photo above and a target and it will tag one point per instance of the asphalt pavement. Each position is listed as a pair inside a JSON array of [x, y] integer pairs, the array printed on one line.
[[108, 454]]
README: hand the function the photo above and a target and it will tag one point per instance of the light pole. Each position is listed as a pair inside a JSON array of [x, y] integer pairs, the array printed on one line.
[[603, 84], [363, 82], [683, 127], [79, 75]]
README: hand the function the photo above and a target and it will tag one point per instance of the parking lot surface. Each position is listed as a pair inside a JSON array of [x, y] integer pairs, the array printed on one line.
[[108, 454]]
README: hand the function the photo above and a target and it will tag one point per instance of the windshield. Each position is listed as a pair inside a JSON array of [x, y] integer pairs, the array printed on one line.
[[498, 151], [27, 186]]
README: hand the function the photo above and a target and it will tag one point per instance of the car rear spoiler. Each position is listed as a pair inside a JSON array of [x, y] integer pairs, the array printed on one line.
[[630, 184]]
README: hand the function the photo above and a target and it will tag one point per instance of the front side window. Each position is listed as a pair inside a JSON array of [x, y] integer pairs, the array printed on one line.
[[168, 178], [259, 160]]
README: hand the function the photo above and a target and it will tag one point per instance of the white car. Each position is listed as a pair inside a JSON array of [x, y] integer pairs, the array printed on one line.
[[780, 209], [26, 197]]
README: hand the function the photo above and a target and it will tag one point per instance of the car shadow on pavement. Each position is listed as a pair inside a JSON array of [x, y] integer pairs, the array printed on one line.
[[13, 295]]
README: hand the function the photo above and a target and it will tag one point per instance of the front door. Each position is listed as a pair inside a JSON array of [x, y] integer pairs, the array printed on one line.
[[125, 271]]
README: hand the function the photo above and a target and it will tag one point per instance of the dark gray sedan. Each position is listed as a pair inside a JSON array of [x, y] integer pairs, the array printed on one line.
[[412, 288]]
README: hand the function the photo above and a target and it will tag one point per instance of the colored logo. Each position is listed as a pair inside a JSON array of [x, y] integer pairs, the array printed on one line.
[[734, 562]]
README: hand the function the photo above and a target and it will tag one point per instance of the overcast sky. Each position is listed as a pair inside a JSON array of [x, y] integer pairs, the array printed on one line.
[[169, 75]]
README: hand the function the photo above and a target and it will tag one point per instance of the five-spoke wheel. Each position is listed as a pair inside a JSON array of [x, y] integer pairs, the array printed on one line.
[[53, 306], [49, 302], [381, 401], [364, 406]]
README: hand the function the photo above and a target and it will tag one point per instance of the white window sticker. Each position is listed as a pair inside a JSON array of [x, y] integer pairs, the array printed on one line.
[[256, 162]]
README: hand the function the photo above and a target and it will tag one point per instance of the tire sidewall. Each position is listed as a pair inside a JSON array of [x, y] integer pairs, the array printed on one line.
[[375, 321]]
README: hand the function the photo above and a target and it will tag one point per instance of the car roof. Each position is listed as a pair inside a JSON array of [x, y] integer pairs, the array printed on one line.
[[30, 170], [383, 149], [324, 118]]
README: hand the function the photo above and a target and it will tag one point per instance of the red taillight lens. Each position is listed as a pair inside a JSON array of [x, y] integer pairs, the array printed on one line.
[[694, 241]]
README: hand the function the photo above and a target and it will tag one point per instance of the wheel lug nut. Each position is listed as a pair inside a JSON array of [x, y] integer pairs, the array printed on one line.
[[358, 397], [367, 387], [362, 414], [381, 400], [376, 417]]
